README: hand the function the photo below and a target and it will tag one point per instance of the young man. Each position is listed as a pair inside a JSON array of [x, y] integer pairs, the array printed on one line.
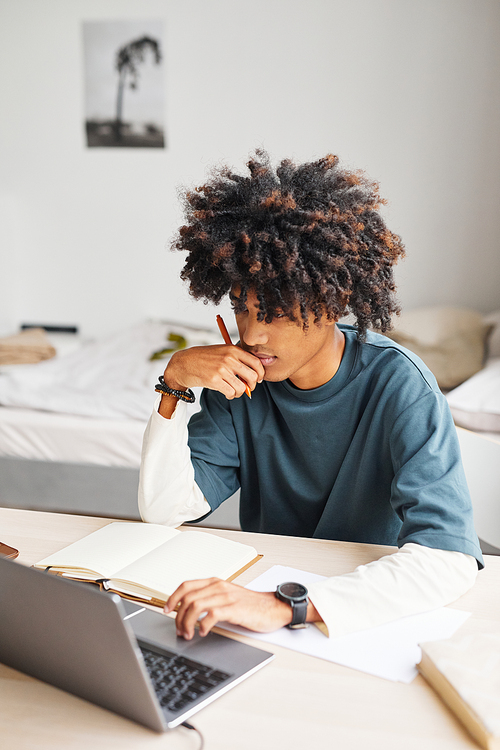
[[346, 436]]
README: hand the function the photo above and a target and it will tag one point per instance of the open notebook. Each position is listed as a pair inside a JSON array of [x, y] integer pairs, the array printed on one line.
[[147, 562]]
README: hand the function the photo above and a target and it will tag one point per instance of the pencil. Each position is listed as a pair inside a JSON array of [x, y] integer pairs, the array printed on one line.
[[227, 340]]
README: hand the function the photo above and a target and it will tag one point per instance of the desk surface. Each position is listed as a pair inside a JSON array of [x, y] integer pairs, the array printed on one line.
[[297, 701]]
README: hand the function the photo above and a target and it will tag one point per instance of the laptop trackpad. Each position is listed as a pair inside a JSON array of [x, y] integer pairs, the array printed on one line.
[[214, 649], [152, 626], [156, 628]]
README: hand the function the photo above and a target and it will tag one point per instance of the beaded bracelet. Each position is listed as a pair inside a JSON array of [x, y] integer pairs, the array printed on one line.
[[187, 396]]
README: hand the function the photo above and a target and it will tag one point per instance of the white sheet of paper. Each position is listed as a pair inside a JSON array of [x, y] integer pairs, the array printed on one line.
[[390, 651]]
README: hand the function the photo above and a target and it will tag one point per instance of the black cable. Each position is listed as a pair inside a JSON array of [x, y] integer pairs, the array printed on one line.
[[190, 726]]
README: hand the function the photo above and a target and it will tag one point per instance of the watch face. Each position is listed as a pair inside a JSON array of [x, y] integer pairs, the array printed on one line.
[[293, 590]]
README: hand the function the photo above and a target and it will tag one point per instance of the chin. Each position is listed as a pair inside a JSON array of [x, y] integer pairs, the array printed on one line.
[[275, 377]]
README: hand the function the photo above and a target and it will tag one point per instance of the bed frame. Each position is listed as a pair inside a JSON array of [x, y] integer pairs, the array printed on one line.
[[69, 488], [84, 489]]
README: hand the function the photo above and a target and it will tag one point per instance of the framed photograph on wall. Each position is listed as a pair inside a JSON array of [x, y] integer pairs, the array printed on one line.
[[124, 84]]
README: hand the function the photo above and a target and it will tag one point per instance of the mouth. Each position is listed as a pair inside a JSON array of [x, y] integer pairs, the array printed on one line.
[[266, 359]]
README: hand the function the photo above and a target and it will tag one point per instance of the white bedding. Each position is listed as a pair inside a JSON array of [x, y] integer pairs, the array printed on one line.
[[109, 379], [92, 404], [475, 404]]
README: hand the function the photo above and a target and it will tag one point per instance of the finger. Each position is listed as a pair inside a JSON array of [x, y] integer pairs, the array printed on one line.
[[224, 378], [209, 621], [185, 588], [250, 375], [236, 385], [239, 376], [196, 599], [208, 608], [242, 362], [228, 382], [252, 368], [229, 388]]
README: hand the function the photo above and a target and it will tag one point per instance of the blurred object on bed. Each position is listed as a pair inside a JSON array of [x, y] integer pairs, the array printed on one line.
[[27, 347], [71, 428], [481, 460], [64, 338], [176, 342], [452, 341]]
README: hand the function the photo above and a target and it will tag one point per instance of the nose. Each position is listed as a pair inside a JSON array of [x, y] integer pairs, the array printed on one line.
[[252, 331]]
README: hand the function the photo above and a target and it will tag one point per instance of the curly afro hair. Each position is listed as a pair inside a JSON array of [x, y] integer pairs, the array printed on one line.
[[304, 238]]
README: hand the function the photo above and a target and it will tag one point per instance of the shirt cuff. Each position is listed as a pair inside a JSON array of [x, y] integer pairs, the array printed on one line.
[[168, 493], [413, 579]]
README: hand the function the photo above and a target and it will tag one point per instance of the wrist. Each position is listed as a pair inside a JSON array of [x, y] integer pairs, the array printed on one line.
[[172, 382], [282, 612], [174, 376], [171, 392]]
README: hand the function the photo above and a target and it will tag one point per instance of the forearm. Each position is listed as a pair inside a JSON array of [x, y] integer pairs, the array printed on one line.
[[168, 493], [414, 579]]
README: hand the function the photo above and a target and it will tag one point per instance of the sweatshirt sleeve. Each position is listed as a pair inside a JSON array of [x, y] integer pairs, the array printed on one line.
[[168, 493], [413, 579]]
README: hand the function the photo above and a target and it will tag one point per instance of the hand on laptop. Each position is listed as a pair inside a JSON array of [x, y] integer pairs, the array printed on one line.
[[222, 600]]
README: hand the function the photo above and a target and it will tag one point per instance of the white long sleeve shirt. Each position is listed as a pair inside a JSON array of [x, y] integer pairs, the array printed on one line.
[[413, 579]]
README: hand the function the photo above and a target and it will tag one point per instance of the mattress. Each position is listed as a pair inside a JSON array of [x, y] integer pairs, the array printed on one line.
[[475, 404], [45, 436]]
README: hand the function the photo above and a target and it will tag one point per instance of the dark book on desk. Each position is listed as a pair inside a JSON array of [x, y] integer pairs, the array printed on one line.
[[147, 562], [465, 672]]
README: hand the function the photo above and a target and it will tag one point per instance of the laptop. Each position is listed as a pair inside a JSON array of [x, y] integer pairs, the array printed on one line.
[[113, 652]]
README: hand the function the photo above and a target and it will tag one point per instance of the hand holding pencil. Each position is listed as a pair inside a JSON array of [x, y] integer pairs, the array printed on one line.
[[229, 369], [227, 340]]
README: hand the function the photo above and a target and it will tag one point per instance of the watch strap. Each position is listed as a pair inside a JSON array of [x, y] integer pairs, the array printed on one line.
[[299, 614]]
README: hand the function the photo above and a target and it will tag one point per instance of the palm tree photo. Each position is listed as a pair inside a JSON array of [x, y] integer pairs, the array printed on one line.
[[120, 57]]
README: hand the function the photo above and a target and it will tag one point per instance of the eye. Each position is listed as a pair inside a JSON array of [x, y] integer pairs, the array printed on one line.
[[234, 305]]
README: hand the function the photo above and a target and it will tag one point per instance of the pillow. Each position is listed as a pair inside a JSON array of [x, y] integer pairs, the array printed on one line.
[[475, 404], [450, 340]]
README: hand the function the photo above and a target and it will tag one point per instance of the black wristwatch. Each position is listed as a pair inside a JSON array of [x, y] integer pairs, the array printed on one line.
[[297, 596]]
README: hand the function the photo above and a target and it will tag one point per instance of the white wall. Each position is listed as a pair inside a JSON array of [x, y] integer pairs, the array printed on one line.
[[406, 89]]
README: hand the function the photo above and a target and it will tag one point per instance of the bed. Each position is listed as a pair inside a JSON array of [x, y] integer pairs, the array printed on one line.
[[71, 426]]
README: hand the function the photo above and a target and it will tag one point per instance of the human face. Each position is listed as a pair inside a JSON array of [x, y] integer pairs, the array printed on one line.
[[307, 357]]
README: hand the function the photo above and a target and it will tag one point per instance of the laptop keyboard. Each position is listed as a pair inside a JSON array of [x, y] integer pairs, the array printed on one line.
[[179, 681]]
